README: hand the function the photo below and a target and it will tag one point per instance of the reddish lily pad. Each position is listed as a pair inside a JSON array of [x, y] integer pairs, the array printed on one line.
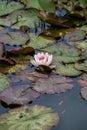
[[34, 118], [84, 92], [53, 84], [20, 94]]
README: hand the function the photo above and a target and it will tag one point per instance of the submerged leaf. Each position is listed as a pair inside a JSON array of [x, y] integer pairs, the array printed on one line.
[[34, 118], [55, 20], [20, 94]]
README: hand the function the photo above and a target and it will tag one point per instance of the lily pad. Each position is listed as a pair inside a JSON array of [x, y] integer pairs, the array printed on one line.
[[38, 42], [13, 38], [6, 8], [53, 84], [84, 92], [81, 66], [21, 51], [23, 17], [67, 69], [63, 50], [20, 94], [4, 82], [5, 22], [40, 4], [34, 118], [75, 35]]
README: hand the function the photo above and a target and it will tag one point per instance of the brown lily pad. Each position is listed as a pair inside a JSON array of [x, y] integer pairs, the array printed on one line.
[[20, 94], [55, 20], [21, 51]]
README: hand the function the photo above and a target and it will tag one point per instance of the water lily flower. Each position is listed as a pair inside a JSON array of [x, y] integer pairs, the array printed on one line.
[[42, 59]]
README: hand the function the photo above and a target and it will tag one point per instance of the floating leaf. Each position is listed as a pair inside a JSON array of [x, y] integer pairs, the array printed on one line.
[[67, 69], [23, 17], [81, 66], [20, 94], [84, 89], [53, 84], [75, 35], [5, 22], [40, 4], [38, 42], [21, 51], [4, 82], [13, 38], [34, 118], [6, 8], [84, 92], [63, 50]]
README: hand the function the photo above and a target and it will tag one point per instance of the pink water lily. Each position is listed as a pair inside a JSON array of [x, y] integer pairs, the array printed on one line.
[[42, 59]]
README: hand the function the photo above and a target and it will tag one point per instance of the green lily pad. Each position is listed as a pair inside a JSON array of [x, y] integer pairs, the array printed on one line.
[[24, 118], [5, 22], [81, 45], [68, 59], [6, 8], [75, 35], [67, 70], [81, 66], [23, 17], [40, 4], [63, 50], [84, 28], [38, 42], [4, 82], [13, 38]]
